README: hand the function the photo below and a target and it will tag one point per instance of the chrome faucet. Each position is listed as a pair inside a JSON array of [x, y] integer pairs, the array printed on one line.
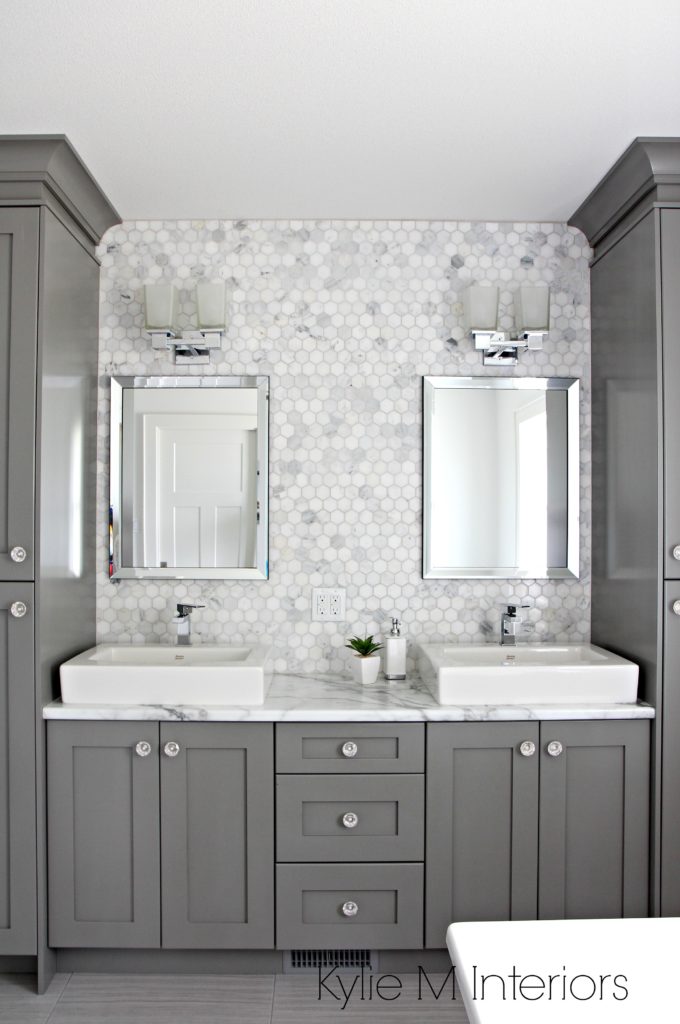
[[183, 622], [511, 623]]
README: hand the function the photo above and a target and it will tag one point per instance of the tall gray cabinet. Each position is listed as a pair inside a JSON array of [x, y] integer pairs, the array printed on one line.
[[632, 220], [52, 214]]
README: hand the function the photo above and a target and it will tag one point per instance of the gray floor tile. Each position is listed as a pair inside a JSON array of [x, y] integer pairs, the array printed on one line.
[[160, 1012], [252, 993], [18, 991], [28, 1015], [296, 1001], [215, 999]]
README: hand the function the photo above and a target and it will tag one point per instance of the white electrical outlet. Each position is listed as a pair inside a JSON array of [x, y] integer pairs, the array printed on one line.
[[328, 604]]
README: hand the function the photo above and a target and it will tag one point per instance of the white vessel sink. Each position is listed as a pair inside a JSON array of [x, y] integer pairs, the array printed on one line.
[[149, 674], [526, 674]]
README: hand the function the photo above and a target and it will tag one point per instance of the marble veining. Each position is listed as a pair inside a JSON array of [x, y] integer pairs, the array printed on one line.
[[330, 698]]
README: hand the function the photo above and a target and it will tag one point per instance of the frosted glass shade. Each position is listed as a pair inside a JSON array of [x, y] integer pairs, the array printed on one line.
[[480, 307], [211, 299], [161, 307], [532, 307]]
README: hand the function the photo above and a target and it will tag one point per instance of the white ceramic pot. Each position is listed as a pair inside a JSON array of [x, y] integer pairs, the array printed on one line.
[[365, 670]]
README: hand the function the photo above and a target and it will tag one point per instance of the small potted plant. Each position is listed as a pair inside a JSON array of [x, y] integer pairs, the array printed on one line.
[[366, 661]]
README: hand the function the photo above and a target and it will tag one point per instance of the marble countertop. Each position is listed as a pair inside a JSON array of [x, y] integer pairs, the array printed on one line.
[[298, 698]]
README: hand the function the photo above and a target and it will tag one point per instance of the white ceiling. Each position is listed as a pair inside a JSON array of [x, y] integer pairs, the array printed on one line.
[[424, 109]]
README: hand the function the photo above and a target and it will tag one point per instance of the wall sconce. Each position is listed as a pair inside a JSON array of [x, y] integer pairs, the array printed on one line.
[[532, 322], [161, 304]]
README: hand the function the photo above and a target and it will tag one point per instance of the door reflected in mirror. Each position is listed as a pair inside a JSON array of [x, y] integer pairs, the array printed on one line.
[[189, 477], [501, 470]]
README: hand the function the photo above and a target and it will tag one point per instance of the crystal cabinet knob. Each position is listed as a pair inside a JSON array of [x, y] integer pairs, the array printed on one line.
[[527, 748], [554, 748], [676, 552], [350, 819], [350, 749], [143, 748], [676, 607], [18, 609], [350, 908], [171, 749], [18, 554]]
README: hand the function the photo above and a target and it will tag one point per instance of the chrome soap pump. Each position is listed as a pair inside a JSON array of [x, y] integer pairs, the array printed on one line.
[[395, 653]]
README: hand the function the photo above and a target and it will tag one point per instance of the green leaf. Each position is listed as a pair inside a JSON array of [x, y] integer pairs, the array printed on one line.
[[363, 646]]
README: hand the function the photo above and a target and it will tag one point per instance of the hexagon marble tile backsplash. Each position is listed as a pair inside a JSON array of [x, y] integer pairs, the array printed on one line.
[[345, 318]]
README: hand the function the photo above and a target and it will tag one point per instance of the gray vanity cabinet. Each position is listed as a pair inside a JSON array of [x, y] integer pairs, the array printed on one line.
[[17, 771], [529, 821], [151, 823]]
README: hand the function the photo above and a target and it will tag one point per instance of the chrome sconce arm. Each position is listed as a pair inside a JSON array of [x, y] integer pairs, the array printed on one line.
[[188, 346], [532, 316], [502, 348]]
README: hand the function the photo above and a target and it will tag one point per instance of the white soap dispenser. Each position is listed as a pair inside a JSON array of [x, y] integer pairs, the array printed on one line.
[[395, 653]]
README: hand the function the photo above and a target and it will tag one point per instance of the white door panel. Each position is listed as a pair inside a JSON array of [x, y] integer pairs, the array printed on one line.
[[199, 487]]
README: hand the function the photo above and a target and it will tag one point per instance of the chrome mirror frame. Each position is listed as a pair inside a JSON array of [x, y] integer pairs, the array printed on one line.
[[261, 570], [572, 388]]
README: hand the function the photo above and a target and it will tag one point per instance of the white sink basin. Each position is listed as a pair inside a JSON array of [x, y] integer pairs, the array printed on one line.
[[149, 674], [526, 674]]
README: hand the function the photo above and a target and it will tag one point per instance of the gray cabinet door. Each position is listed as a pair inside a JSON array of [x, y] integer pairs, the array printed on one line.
[[217, 835], [17, 773], [670, 325], [482, 824], [670, 754], [594, 820], [103, 829], [19, 229]]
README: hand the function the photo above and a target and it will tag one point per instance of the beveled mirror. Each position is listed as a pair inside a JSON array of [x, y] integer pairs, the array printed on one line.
[[189, 478], [500, 477]]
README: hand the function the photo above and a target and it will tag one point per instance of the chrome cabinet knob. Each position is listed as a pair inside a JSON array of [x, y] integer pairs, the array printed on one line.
[[350, 819], [554, 748], [676, 552], [18, 554], [676, 607], [171, 749], [18, 609], [350, 908], [527, 748], [143, 748], [350, 749]]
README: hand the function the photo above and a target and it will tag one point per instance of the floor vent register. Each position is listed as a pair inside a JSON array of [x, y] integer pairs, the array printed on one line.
[[298, 961]]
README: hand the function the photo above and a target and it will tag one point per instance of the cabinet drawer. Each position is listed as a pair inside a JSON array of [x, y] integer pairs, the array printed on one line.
[[349, 818], [360, 747], [336, 906]]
